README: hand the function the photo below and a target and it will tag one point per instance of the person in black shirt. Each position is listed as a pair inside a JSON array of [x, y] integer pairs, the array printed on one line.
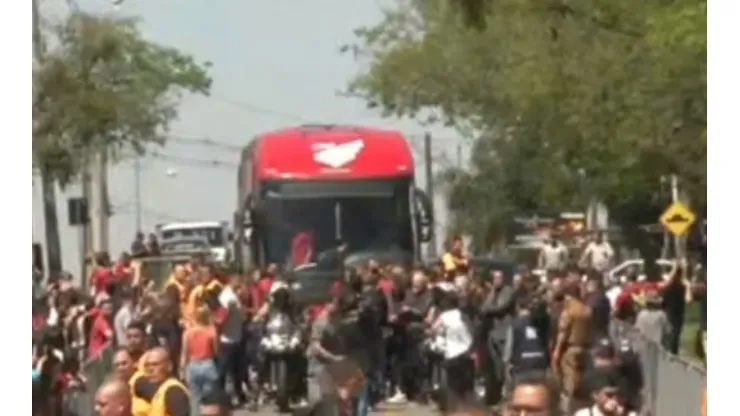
[[165, 330], [153, 248], [355, 332], [138, 247], [600, 305], [417, 302], [374, 316], [674, 305]]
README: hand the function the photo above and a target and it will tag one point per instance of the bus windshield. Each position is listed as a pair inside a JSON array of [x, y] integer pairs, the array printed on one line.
[[302, 230]]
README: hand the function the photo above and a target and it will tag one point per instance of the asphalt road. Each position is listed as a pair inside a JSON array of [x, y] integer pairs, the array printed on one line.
[[399, 410]]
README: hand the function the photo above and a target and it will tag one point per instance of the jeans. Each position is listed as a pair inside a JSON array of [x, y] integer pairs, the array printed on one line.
[[363, 405], [494, 372], [376, 376], [202, 378]]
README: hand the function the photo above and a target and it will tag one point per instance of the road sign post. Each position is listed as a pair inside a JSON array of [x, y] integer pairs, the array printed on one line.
[[677, 218]]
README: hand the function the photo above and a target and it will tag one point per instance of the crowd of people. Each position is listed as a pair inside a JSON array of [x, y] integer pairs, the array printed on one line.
[[509, 343]]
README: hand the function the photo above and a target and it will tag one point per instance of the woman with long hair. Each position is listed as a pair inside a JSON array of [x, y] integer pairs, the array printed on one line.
[[198, 358]]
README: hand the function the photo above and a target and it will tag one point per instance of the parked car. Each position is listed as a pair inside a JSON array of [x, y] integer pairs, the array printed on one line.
[[618, 274]]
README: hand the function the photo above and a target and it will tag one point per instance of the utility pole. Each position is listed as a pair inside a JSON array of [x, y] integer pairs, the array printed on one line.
[[99, 200], [137, 190], [86, 232], [51, 220], [429, 173], [678, 242]]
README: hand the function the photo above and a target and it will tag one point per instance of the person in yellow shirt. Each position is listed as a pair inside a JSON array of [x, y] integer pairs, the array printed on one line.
[[165, 394], [205, 292], [125, 368], [177, 288], [454, 261]]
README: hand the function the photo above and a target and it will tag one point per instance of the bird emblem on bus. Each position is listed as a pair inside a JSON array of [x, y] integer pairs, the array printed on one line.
[[338, 155]]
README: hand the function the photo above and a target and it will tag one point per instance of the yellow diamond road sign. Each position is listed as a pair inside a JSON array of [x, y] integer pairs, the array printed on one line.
[[677, 218]]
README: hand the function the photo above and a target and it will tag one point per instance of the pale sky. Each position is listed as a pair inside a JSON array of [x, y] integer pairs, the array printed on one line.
[[275, 63]]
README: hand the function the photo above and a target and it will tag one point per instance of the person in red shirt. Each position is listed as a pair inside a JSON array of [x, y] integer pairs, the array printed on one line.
[[632, 295], [101, 275], [301, 248], [101, 332], [264, 284], [385, 284], [122, 268]]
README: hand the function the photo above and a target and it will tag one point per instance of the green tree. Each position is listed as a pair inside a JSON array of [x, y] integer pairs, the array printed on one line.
[[104, 87], [569, 99]]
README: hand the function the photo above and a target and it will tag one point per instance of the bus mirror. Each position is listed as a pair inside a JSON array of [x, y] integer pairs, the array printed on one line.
[[424, 215], [248, 211]]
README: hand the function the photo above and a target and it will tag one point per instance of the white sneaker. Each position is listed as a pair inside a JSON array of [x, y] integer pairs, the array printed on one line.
[[398, 398]]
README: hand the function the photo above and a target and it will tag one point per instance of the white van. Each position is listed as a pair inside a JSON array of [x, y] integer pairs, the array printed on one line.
[[216, 233]]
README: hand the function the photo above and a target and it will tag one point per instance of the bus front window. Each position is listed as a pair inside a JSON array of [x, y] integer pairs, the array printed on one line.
[[300, 231]]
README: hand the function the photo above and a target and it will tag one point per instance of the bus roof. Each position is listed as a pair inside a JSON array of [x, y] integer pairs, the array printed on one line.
[[332, 152]]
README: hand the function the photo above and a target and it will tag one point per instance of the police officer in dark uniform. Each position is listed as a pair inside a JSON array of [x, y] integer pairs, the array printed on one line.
[[525, 352]]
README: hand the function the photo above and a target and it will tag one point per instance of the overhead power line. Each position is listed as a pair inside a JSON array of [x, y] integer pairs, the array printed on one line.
[[180, 160], [253, 108], [227, 143], [205, 141]]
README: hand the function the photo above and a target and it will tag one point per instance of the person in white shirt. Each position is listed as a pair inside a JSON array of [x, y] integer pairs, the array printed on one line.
[[598, 255], [605, 393], [230, 347], [124, 317], [457, 333], [553, 256]]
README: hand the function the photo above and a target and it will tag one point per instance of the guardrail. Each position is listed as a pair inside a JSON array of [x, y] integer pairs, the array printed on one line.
[[673, 385]]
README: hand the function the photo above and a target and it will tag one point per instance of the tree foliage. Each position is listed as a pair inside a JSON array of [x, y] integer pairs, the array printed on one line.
[[569, 98], [104, 86]]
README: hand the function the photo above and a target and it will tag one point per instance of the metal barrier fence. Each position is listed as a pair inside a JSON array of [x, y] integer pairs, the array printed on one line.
[[96, 371], [673, 385]]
